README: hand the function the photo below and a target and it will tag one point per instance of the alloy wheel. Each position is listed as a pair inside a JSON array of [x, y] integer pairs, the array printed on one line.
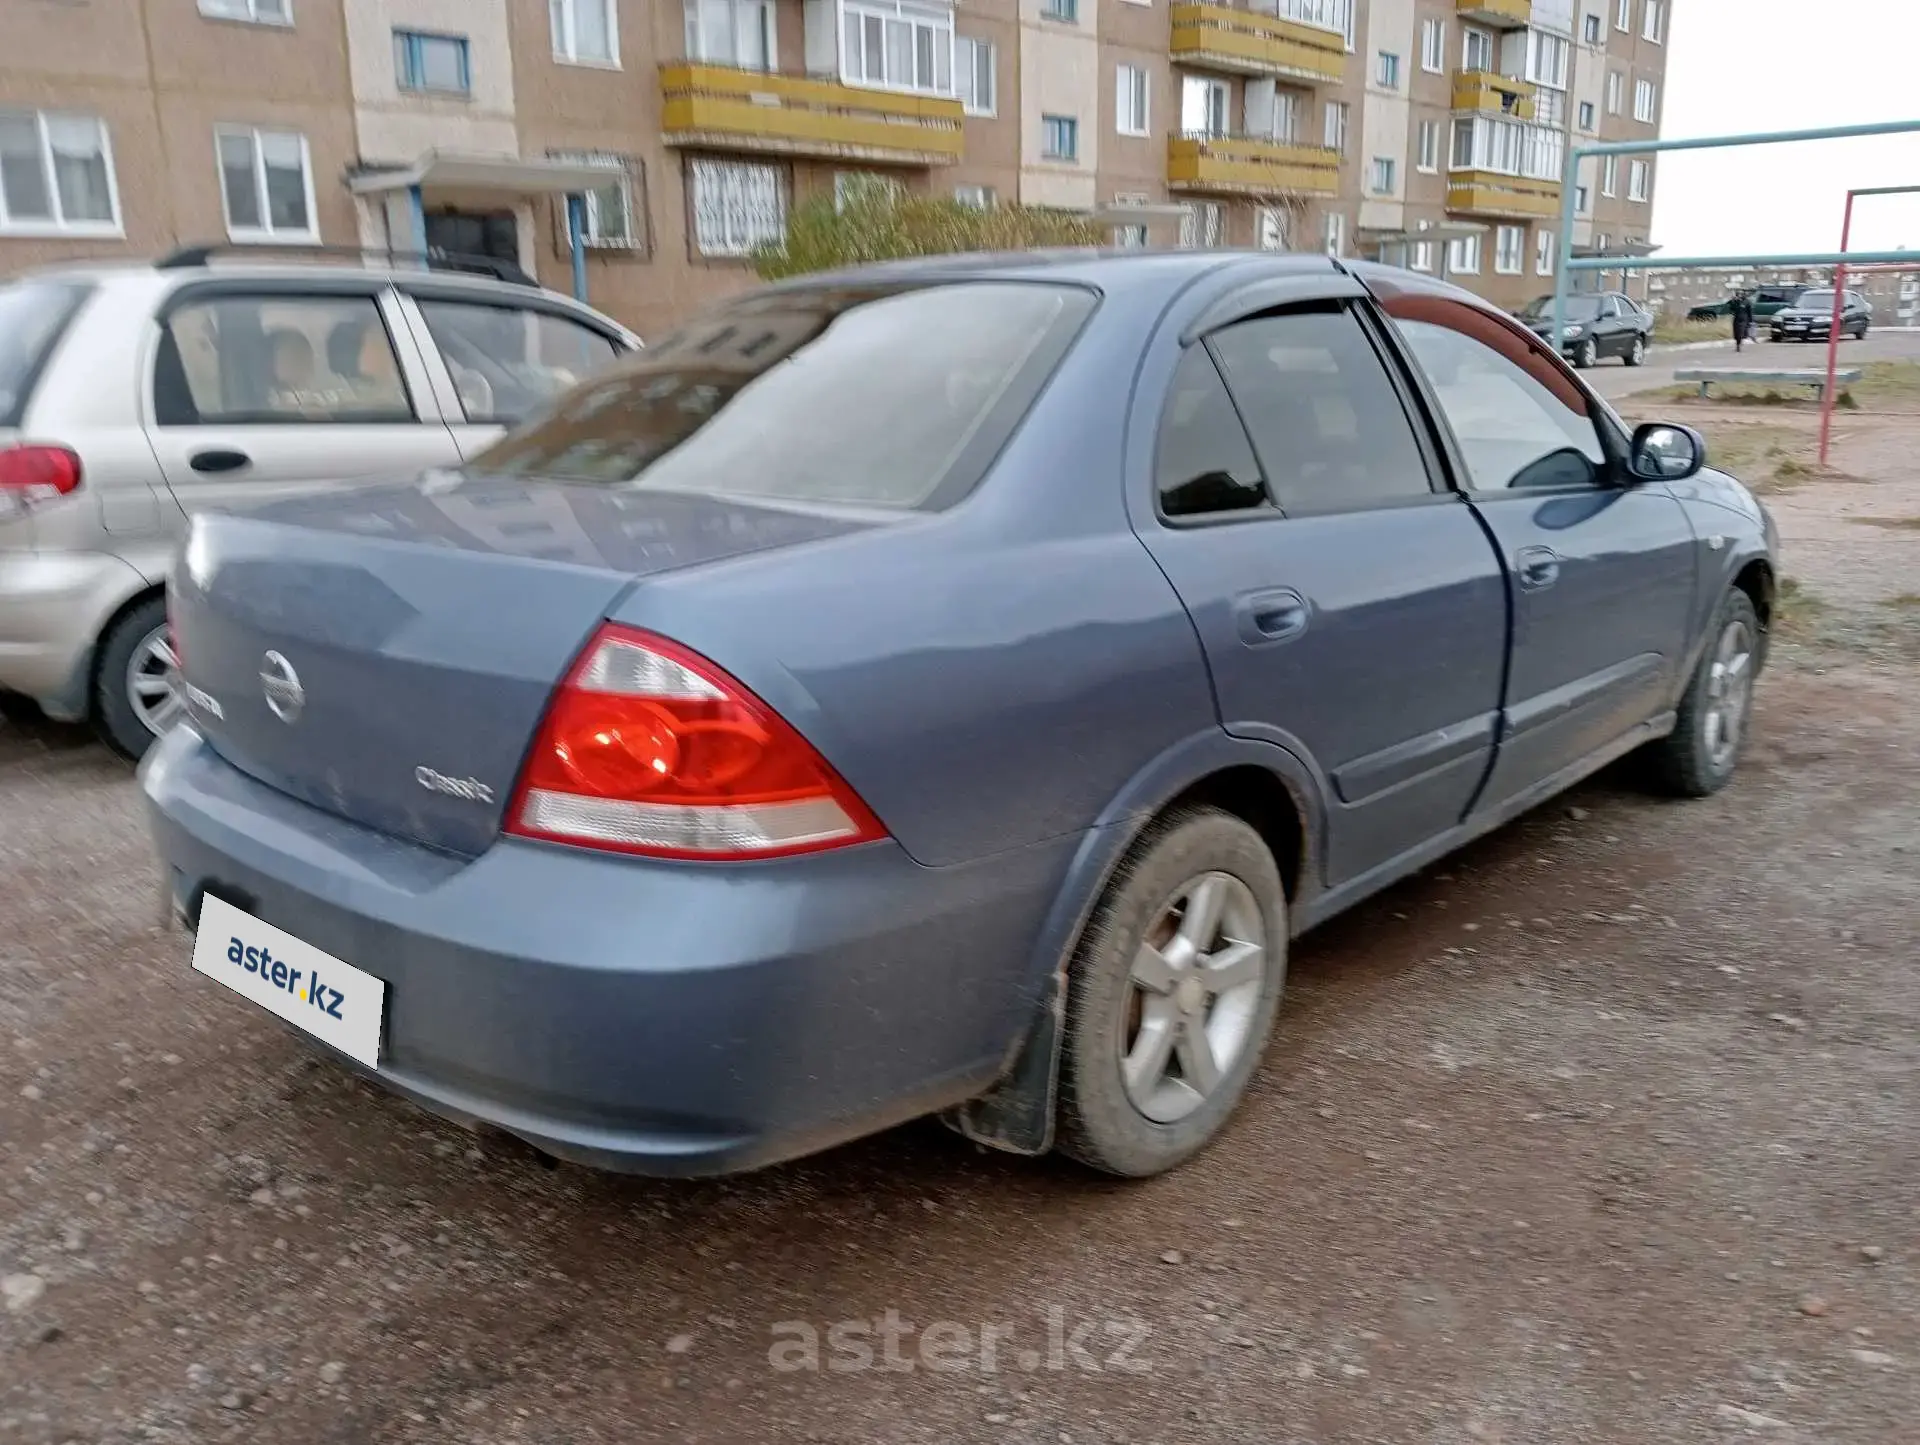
[[153, 682], [1729, 691]]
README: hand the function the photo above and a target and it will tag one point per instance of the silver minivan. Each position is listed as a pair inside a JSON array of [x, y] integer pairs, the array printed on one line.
[[133, 395]]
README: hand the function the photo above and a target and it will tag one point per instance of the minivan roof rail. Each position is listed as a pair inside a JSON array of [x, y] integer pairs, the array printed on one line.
[[433, 257]]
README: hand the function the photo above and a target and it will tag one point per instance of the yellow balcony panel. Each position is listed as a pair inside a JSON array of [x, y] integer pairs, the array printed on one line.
[[1490, 94], [1246, 166], [1500, 14], [1489, 193], [727, 109], [1244, 42]]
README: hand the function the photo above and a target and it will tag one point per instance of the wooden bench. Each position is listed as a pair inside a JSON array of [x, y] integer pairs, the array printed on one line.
[[1738, 376]]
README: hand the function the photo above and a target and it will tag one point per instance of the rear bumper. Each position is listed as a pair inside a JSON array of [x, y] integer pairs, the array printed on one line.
[[52, 607], [648, 1017]]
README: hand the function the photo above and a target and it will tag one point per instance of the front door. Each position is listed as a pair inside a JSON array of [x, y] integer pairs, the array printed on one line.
[[492, 234], [1601, 570]]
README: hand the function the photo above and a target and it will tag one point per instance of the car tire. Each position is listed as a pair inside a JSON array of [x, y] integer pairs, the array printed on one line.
[[130, 659], [1700, 755], [1156, 1053], [1585, 354], [1861, 333], [1636, 353]]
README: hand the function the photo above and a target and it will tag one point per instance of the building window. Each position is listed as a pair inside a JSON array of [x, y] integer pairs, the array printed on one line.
[[898, 46], [850, 186], [1603, 243], [266, 185], [1623, 15], [1509, 249], [1272, 228], [1594, 30], [430, 62], [1582, 201], [1386, 70], [1132, 237], [1067, 10], [1130, 100], [1422, 257], [1200, 224], [1586, 115], [1203, 106], [737, 33], [613, 220], [1059, 137], [1637, 181], [1610, 176], [585, 32], [1463, 256], [1616, 88], [973, 72], [1433, 46], [1380, 181], [56, 175], [1429, 145], [1548, 57], [1644, 98], [737, 205], [1476, 49], [1509, 147], [257, 12], [1287, 105], [1653, 23], [1334, 233], [981, 198], [1336, 126]]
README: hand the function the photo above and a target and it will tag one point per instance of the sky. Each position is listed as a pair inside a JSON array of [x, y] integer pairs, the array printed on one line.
[[1737, 66]]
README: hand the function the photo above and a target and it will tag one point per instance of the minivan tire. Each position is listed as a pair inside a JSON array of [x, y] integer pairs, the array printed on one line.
[[114, 717], [1100, 1123]]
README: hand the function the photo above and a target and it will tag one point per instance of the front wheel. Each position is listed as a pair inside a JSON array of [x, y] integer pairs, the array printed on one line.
[[1171, 995], [1637, 353], [1699, 756], [135, 691], [1585, 354]]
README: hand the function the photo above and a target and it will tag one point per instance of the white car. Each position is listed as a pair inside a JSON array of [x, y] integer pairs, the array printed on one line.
[[132, 395]]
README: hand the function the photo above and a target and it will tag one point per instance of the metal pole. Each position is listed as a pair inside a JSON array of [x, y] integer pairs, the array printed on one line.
[[1561, 272], [1842, 132], [1833, 335], [1855, 259]]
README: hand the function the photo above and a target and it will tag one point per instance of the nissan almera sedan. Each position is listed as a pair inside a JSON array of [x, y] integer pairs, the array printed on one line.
[[938, 688]]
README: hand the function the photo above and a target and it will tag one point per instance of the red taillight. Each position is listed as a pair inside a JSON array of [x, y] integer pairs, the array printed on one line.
[[30, 475], [649, 748]]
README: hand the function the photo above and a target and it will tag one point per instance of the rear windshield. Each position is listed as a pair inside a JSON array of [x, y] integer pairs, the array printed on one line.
[[854, 396], [32, 316]]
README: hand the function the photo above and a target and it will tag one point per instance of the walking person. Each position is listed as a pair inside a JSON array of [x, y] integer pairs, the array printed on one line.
[[1742, 312]]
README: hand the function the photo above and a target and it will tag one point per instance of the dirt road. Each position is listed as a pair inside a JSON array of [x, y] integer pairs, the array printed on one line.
[[1606, 1131]]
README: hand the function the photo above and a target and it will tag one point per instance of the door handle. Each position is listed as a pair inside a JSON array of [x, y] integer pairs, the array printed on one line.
[[1276, 615], [1538, 567], [219, 459]]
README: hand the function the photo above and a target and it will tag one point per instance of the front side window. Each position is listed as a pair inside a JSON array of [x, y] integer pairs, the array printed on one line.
[[1130, 100], [56, 175], [897, 45], [585, 32], [508, 362], [737, 205], [1327, 424], [1059, 137], [1519, 418], [815, 395], [430, 62], [258, 12], [255, 360], [266, 183], [973, 73], [615, 216], [1204, 464], [737, 33]]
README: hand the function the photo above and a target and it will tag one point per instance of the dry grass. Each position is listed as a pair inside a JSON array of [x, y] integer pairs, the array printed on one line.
[[1884, 386], [1670, 331], [1892, 524], [1909, 600], [1795, 609]]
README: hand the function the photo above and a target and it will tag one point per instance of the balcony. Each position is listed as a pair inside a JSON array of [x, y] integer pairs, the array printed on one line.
[[1491, 193], [749, 110], [1245, 42], [1486, 93], [1250, 166], [1499, 14]]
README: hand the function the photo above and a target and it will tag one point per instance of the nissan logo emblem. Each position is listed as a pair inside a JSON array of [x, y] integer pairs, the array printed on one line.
[[281, 684]]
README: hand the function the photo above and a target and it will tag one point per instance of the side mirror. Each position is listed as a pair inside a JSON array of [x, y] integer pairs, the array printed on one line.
[[1663, 452]]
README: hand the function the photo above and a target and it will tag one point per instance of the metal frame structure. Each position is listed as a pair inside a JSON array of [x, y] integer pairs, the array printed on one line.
[[1839, 303]]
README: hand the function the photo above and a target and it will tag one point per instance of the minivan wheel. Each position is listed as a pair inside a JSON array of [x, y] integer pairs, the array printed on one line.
[[1171, 995], [1699, 756], [135, 693]]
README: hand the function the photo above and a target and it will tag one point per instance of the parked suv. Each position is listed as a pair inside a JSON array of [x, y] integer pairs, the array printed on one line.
[[131, 396]]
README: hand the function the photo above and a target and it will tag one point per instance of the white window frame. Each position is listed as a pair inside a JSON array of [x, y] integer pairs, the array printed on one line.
[[697, 40], [1428, 141], [1206, 96], [219, 10], [1060, 12], [1545, 243], [971, 47], [1386, 69], [1047, 118], [620, 171], [1334, 126], [1610, 176], [1333, 233], [1420, 257], [1623, 16], [1509, 250], [1433, 46], [265, 234], [1382, 169], [1646, 101], [980, 198], [1472, 39], [1131, 83], [1460, 251], [716, 168], [563, 27], [1549, 59], [1653, 21], [1637, 176], [1270, 228], [1589, 116], [1593, 28], [916, 15], [1616, 91], [56, 224], [1507, 147]]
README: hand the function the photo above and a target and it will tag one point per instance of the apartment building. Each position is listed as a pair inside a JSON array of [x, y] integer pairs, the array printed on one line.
[[1429, 133]]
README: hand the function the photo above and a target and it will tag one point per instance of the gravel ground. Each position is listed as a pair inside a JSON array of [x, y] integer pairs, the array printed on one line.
[[1607, 1130]]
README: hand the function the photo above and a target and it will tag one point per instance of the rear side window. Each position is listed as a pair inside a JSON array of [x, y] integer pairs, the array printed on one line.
[[33, 315], [859, 396], [1205, 462], [254, 360], [507, 361], [1327, 423]]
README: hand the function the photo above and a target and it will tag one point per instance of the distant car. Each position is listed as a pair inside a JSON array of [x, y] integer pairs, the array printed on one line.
[[132, 396], [1606, 323], [802, 727], [1811, 317], [1766, 301]]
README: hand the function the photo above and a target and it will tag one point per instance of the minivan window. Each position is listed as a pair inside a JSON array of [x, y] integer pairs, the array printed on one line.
[[863, 396], [33, 314]]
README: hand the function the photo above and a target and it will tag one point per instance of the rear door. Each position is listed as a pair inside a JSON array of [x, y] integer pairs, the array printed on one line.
[[1349, 609], [261, 389]]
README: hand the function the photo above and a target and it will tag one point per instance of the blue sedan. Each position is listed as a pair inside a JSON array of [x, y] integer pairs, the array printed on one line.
[[944, 687]]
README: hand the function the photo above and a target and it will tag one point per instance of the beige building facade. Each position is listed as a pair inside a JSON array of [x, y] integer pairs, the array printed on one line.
[[1428, 133]]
